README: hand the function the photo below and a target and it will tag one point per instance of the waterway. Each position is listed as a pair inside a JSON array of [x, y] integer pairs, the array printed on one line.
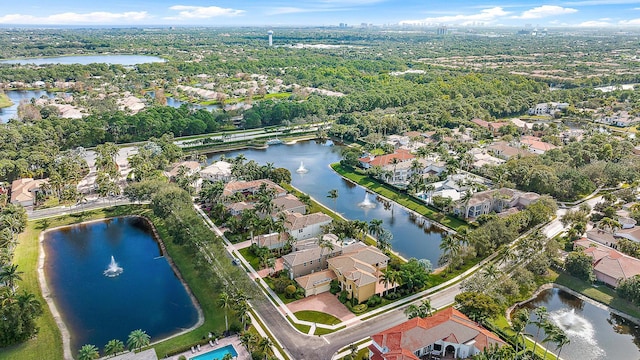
[[96, 308], [595, 333], [16, 96], [125, 60], [411, 238]]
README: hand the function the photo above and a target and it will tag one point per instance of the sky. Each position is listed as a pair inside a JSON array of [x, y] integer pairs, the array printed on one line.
[[518, 13]]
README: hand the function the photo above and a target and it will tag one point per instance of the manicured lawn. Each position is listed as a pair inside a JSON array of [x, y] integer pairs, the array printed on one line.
[[322, 331], [602, 293], [317, 317], [5, 101], [301, 327], [251, 259], [48, 343], [282, 297], [401, 198]]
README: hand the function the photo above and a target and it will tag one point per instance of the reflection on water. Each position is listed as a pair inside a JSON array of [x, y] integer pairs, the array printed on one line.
[[412, 237], [595, 333]]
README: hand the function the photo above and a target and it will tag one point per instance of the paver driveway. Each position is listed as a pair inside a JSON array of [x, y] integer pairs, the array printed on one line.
[[325, 302]]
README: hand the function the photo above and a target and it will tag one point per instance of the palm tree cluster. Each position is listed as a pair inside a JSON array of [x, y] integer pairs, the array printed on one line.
[[239, 303], [552, 333], [261, 347], [421, 310], [136, 340]]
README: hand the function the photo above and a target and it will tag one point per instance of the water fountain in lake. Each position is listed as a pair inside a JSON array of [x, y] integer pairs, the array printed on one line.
[[302, 169], [578, 329], [113, 270], [366, 203]]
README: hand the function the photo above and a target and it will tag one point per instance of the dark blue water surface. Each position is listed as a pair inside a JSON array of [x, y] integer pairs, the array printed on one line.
[[147, 295], [410, 239], [595, 333]]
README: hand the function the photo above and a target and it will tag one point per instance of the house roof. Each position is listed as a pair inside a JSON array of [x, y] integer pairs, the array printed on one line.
[[267, 240], [237, 186], [633, 233], [191, 166], [610, 262], [315, 279], [536, 144], [449, 324], [23, 189], [359, 266], [295, 221], [400, 154], [287, 202], [480, 122], [504, 148], [240, 206], [601, 236], [218, 168]]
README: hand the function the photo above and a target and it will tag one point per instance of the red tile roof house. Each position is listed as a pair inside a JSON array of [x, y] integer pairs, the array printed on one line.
[[609, 266], [371, 161], [447, 333]]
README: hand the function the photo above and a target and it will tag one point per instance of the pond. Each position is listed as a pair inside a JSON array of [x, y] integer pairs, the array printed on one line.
[[411, 237], [595, 333], [109, 278], [16, 96], [125, 60]]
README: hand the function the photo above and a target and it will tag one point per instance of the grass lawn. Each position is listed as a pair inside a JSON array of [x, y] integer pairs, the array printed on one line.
[[322, 331], [282, 297], [602, 293], [251, 259], [301, 327], [402, 199], [48, 343], [5, 101], [317, 317]]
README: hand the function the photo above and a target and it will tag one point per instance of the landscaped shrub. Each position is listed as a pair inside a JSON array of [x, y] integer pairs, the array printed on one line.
[[290, 290], [299, 293], [392, 296], [374, 300], [280, 284], [343, 297], [360, 308], [182, 357], [335, 287]]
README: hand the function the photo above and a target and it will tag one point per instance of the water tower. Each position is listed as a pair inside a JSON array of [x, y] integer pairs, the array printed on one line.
[[270, 33]]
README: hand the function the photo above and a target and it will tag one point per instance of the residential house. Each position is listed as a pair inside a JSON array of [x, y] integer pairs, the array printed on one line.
[[237, 208], [547, 108], [523, 126], [497, 200], [289, 203], [401, 173], [23, 191], [218, 171], [317, 282], [252, 187], [308, 257], [503, 150], [632, 234], [306, 226], [271, 241], [448, 333], [190, 168], [455, 185], [536, 145], [481, 158], [620, 119], [401, 155], [601, 236], [493, 127], [609, 266], [358, 272]]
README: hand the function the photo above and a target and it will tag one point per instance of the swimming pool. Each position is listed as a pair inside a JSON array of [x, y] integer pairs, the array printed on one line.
[[217, 354]]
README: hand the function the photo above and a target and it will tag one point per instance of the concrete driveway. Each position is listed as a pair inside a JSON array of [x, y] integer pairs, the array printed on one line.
[[325, 302]]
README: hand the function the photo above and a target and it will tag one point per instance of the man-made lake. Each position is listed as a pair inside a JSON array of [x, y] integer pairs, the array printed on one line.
[[16, 96], [409, 238], [96, 308], [125, 60], [595, 333]]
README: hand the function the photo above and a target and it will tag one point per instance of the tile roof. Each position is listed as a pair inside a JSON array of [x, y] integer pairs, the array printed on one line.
[[504, 148], [253, 186], [23, 189], [400, 154], [316, 278], [191, 166], [297, 221], [449, 324], [287, 202], [610, 262]]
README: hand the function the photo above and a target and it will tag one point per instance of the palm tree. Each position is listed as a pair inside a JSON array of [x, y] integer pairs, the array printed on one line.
[[375, 227], [224, 301], [29, 304], [491, 272], [242, 312], [247, 339], [608, 223], [333, 194], [9, 274], [450, 247], [561, 339], [549, 330], [518, 324], [113, 347], [88, 352], [541, 317], [227, 356], [264, 345], [395, 161], [385, 279], [138, 339]]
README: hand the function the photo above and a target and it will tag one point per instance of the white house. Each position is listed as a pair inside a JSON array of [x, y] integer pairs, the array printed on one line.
[[218, 171], [306, 226]]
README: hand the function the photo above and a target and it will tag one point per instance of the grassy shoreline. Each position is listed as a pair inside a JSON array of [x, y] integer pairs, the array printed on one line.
[[48, 343], [5, 101]]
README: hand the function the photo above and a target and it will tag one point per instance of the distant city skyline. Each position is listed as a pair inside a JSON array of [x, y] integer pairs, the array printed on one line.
[[570, 13]]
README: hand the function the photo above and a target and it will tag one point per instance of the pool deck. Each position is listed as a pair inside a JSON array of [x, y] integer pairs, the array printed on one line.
[[243, 354]]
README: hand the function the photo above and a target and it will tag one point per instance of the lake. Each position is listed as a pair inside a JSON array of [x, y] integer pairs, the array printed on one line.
[[16, 96], [125, 60], [595, 333], [410, 239], [96, 308]]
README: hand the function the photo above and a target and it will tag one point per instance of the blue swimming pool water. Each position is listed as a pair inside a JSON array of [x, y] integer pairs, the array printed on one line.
[[217, 354]]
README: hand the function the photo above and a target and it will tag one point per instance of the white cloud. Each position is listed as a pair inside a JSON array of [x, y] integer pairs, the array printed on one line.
[[98, 17], [594, 24], [486, 16], [545, 11], [601, 2], [203, 12], [630, 22]]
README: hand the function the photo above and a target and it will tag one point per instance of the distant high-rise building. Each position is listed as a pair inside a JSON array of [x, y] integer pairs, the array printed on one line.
[[270, 33], [442, 30], [343, 25]]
